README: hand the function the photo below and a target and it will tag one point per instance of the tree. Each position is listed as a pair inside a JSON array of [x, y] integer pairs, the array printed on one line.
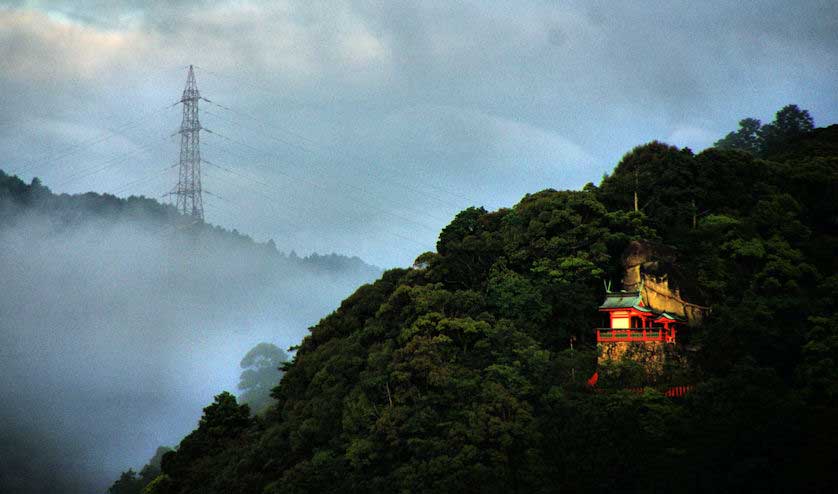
[[222, 423], [261, 373], [128, 483], [789, 122], [131, 483], [747, 138], [152, 469], [224, 417], [467, 222], [659, 179]]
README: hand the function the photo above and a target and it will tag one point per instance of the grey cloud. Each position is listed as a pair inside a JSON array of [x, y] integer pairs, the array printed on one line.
[[599, 77], [365, 127]]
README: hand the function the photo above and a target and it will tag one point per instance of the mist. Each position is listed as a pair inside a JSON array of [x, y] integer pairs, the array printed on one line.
[[115, 333]]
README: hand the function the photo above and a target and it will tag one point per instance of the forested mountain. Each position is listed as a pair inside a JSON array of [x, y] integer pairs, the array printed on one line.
[[19, 200], [456, 375], [120, 319]]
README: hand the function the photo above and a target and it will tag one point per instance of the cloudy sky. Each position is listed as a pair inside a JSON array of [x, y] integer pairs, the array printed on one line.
[[362, 127]]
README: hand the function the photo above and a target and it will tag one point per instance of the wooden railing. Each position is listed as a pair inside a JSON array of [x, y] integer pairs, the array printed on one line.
[[671, 392], [630, 334]]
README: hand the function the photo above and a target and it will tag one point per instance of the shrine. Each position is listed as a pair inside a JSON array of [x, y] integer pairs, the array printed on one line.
[[642, 322], [632, 320]]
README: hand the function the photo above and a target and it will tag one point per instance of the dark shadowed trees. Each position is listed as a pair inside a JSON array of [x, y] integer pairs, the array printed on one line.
[[747, 138], [789, 122], [457, 376]]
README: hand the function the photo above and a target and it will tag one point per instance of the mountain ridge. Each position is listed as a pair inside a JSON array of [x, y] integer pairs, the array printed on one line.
[[68, 210]]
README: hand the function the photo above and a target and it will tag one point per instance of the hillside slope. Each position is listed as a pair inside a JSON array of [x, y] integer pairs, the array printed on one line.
[[457, 375]]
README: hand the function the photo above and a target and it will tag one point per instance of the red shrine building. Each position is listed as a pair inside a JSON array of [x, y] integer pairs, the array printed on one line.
[[632, 320], [643, 321]]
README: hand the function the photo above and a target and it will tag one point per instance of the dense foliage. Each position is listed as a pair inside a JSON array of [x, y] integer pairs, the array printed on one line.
[[131, 482], [457, 375], [753, 137]]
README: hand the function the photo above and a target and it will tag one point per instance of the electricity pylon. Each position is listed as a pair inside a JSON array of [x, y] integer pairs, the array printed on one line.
[[188, 189]]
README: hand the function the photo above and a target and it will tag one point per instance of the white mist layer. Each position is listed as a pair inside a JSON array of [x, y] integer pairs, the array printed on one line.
[[114, 336]]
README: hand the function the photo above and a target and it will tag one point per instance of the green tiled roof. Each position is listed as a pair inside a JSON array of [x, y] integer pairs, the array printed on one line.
[[624, 300], [667, 315]]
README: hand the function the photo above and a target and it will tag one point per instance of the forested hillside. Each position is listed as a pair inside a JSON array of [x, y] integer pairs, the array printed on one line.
[[456, 375]]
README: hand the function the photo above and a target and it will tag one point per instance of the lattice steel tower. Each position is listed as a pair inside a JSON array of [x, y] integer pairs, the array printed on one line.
[[188, 190]]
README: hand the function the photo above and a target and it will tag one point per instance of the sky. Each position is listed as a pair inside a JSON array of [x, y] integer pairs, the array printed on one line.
[[363, 127]]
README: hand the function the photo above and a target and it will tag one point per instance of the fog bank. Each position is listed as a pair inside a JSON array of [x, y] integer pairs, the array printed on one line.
[[115, 334]]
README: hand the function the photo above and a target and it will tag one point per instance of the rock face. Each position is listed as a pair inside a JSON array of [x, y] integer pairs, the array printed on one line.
[[651, 268]]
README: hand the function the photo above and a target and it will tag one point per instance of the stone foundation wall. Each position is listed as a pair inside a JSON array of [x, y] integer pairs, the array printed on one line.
[[649, 354]]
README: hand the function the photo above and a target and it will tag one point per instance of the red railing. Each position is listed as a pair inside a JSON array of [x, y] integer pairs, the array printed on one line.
[[678, 391], [630, 334], [672, 392]]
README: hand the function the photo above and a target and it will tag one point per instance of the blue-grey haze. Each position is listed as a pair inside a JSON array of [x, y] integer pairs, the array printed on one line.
[[354, 127]]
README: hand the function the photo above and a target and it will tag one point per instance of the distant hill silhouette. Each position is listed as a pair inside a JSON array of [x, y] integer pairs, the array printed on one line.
[[18, 199]]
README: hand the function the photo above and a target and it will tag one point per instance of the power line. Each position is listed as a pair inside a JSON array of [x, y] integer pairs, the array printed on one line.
[[336, 151], [545, 174], [83, 104], [273, 198], [114, 160], [319, 186], [422, 193], [52, 159], [189, 189], [299, 136], [156, 174]]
